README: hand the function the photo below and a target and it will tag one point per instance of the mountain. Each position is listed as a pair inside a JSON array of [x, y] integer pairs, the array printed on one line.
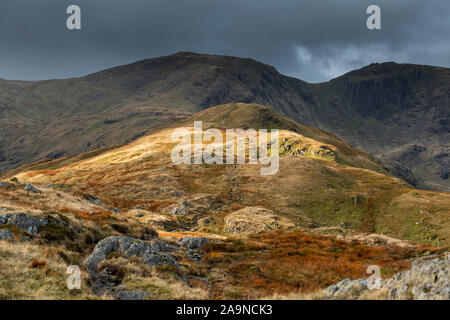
[[398, 113], [322, 181], [139, 225]]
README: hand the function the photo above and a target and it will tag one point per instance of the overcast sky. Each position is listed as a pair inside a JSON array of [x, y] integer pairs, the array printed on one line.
[[314, 40]]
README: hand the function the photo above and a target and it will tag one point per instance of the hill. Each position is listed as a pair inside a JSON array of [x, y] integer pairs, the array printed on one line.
[[330, 183], [398, 113], [141, 227]]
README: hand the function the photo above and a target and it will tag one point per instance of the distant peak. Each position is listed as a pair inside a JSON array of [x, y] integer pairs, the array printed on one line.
[[387, 69], [186, 53]]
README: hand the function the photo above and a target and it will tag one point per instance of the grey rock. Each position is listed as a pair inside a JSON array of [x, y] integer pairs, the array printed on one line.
[[194, 242], [150, 251], [161, 246], [426, 280], [31, 188], [104, 283], [194, 255], [181, 208], [92, 199], [116, 211], [346, 288], [6, 235], [131, 295], [24, 221]]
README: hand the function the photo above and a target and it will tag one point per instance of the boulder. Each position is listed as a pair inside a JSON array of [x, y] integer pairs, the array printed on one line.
[[193, 242], [153, 252], [429, 280], [346, 288], [426, 280], [103, 281], [92, 199], [181, 208], [6, 235], [24, 221], [31, 188], [252, 220]]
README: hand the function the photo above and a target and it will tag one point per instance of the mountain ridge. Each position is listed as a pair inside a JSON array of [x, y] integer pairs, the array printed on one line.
[[370, 108]]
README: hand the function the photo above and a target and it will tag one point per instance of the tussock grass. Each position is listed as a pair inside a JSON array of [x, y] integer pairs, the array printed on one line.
[[31, 271], [291, 262]]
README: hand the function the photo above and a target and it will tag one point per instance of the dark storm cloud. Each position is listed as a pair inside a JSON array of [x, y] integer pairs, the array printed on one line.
[[310, 39]]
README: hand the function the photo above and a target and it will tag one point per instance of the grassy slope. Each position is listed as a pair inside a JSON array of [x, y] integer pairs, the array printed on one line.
[[385, 109], [310, 191], [48, 119]]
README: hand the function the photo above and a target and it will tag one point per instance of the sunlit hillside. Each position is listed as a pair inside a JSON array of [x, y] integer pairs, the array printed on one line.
[[329, 212]]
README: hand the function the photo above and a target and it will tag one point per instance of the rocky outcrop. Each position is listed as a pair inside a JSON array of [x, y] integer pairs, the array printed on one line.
[[252, 220], [426, 280], [5, 184], [193, 242], [155, 220], [153, 252], [6, 235], [181, 208], [24, 221], [31, 188], [92, 199]]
